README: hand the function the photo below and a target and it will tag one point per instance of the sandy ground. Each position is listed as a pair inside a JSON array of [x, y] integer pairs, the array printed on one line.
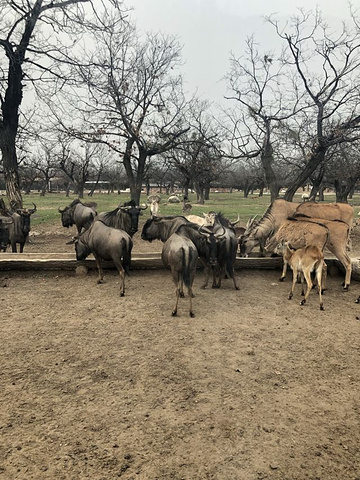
[[95, 386]]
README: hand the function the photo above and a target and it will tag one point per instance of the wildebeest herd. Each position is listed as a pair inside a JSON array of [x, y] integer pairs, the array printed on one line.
[[300, 232]]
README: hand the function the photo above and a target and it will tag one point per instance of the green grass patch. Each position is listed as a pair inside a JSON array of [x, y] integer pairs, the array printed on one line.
[[230, 204]]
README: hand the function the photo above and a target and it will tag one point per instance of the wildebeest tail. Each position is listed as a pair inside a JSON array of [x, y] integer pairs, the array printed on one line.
[[187, 257], [126, 251]]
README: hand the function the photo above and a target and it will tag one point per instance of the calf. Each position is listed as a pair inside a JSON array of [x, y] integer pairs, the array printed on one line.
[[304, 261]]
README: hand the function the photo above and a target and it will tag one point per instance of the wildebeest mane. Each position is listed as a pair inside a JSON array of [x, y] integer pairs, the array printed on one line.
[[117, 219]]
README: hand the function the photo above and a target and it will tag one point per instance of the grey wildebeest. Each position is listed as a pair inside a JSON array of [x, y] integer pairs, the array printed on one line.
[[206, 242], [304, 261], [78, 214], [106, 243], [226, 251], [258, 232], [5, 221], [178, 253], [19, 228], [184, 243], [124, 217]]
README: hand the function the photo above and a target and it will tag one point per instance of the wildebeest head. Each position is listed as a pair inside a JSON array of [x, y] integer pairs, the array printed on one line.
[[133, 210], [25, 214], [160, 228], [81, 248], [67, 213]]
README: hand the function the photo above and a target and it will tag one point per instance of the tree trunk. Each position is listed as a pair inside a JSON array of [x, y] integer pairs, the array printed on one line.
[[200, 198], [316, 159], [10, 166], [321, 193], [267, 159]]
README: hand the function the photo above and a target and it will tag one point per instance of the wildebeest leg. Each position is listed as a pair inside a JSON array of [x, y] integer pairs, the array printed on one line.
[[207, 274], [13, 247], [122, 277], [309, 282], [101, 274], [176, 279], [234, 277], [22, 247], [191, 312]]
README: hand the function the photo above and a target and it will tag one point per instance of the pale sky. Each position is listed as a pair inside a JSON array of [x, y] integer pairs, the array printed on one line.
[[210, 29]]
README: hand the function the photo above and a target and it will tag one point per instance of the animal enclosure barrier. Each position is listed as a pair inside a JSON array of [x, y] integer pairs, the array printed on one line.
[[141, 261]]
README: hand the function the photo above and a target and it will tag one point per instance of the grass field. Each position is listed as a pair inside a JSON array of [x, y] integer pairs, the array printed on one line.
[[230, 204]]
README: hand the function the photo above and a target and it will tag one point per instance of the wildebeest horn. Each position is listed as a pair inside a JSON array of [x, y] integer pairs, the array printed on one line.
[[32, 210], [218, 235], [202, 231], [237, 221], [73, 240], [61, 210], [144, 207]]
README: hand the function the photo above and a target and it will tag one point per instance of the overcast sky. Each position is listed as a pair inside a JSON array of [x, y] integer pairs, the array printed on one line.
[[210, 29]]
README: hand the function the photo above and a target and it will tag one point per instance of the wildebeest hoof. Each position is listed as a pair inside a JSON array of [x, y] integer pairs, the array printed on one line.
[[357, 300], [174, 313], [289, 297], [302, 302], [122, 294], [321, 307], [192, 314], [100, 281], [237, 288], [281, 279], [182, 295], [346, 288]]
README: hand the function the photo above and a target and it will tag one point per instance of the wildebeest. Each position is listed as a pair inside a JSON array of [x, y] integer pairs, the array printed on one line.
[[227, 249], [78, 214], [258, 232], [5, 221], [106, 243], [206, 242], [19, 228], [305, 260], [124, 217], [184, 243]]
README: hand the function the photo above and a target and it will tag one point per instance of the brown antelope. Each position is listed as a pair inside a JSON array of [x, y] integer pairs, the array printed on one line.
[[304, 261]]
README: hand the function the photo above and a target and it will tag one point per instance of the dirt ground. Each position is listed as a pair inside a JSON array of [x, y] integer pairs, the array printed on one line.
[[95, 386]]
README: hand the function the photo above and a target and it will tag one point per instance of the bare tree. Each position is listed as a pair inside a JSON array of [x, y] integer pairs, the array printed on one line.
[[135, 100], [27, 57], [326, 63], [256, 82]]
